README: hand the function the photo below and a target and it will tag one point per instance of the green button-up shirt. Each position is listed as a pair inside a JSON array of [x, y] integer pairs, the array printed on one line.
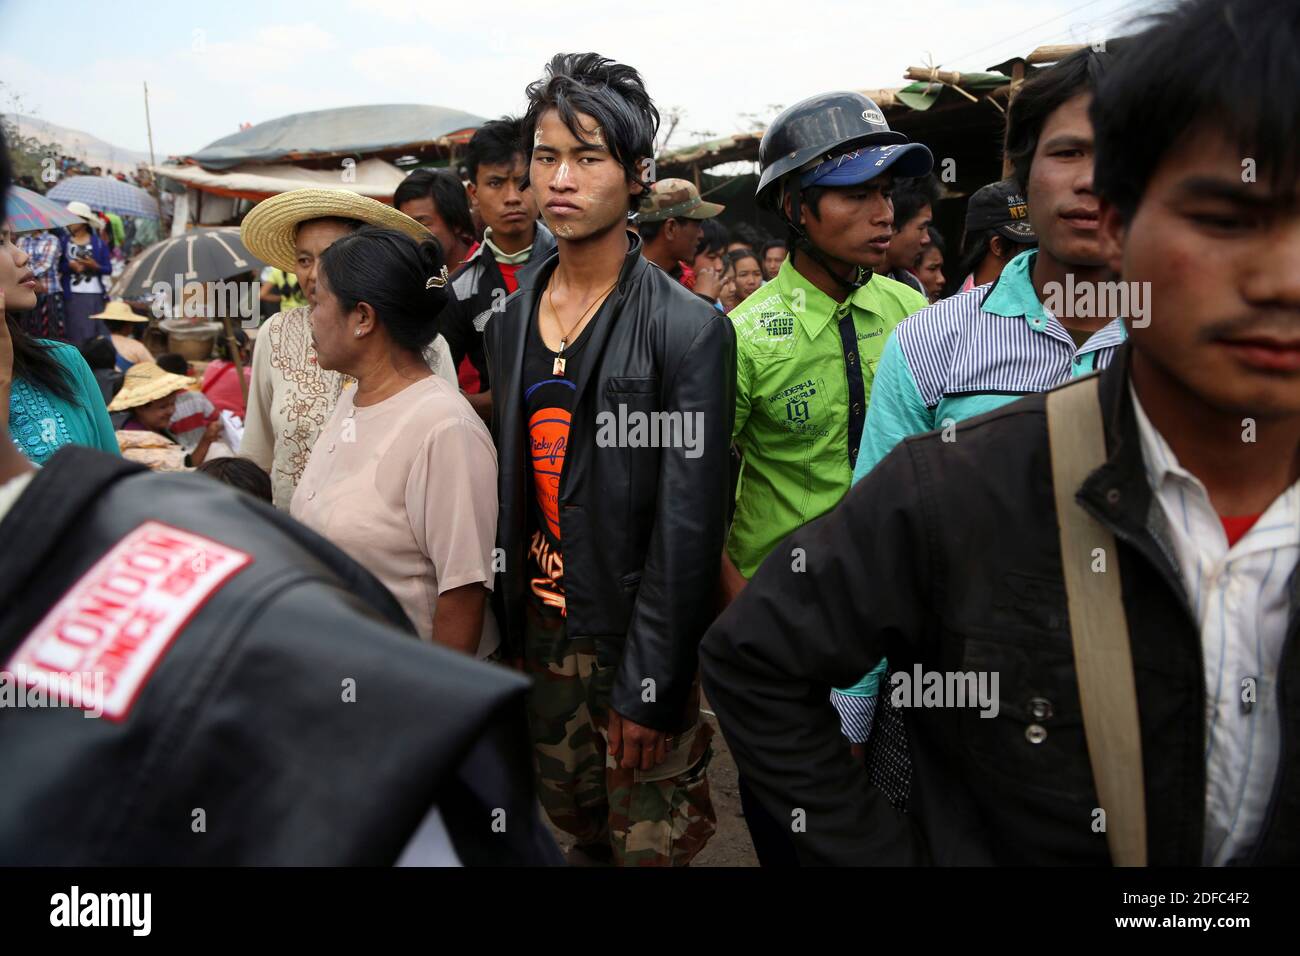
[[792, 400]]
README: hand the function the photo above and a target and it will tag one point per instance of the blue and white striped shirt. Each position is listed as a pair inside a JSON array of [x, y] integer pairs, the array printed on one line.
[[972, 353]]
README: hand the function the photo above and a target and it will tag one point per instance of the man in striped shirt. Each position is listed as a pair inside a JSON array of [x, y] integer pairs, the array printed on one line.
[[981, 349]]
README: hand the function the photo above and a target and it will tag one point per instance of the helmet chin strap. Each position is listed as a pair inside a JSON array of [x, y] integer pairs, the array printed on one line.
[[801, 241]]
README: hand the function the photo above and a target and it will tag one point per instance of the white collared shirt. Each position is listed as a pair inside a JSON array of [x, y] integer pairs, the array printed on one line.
[[1241, 599]]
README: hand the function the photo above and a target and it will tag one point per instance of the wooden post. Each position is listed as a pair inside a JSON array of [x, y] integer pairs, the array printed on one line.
[[153, 161], [233, 346], [1017, 77], [148, 124]]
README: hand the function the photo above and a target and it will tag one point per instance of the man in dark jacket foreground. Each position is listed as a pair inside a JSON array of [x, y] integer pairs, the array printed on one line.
[[947, 557], [261, 699]]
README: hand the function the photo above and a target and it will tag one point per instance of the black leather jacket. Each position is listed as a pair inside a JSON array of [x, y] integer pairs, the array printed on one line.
[[642, 528], [245, 715]]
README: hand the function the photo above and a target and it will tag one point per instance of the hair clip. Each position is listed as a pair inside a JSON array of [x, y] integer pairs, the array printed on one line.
[[438, 281]]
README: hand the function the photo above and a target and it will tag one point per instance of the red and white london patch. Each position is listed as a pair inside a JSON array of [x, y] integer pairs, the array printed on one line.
[[123, 614]]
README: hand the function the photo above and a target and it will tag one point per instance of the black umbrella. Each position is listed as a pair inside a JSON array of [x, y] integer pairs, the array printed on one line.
[[201, 255], [161, 273]]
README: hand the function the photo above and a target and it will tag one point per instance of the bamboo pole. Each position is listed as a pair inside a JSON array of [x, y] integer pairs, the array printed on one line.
[[927, 74], [882, 98], [949, 78]]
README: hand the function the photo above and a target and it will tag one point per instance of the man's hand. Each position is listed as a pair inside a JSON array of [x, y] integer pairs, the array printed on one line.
[[728, 295], [730, 582], [635, 746], [708, 283], [210, 434]]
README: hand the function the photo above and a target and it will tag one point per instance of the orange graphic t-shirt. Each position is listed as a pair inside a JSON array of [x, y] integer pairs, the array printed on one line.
[[548, 438], [550, 391]]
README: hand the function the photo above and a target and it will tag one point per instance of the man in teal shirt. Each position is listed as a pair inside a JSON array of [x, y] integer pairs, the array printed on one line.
[[1028, 331]]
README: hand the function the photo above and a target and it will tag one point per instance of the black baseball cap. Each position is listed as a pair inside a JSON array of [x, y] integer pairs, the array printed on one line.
[[1000, 206]]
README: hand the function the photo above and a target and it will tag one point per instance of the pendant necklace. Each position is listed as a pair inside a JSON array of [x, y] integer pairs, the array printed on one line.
[[558, 367]]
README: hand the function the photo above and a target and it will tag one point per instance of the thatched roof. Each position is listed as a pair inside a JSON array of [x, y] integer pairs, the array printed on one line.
[[946, 109]]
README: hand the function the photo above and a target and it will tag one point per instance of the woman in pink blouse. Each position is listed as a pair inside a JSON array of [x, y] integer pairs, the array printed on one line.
[[403, 475]]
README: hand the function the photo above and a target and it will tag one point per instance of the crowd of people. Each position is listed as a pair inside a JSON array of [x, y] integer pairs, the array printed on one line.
[[74, 267], [954, 597]]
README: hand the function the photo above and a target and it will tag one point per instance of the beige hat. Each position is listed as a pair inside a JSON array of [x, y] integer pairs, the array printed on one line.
[[118, 311], [79, 208], [147, 382], [270, 229]]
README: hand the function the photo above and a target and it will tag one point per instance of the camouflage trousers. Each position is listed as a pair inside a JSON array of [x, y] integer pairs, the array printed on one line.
[[659, 817]]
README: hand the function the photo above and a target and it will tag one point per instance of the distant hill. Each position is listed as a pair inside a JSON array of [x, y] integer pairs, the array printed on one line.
[[74, 142]]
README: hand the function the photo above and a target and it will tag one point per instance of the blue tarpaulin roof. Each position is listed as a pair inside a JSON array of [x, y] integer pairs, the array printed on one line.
[[345, 131]]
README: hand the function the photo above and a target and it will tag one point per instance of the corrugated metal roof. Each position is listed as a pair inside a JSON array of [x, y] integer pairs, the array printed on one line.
[[349, 130]]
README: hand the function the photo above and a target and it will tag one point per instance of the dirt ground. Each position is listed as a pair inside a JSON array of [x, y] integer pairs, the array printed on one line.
[[730, 845]]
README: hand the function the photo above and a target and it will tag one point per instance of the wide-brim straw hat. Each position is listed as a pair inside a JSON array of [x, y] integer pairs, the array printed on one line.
[[147, 382], [270, 229], [118, 311]]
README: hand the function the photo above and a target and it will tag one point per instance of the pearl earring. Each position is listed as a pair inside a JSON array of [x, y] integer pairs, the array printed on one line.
[[358, 332]]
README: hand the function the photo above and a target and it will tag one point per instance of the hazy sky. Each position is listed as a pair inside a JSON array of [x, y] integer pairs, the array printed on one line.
[[212, 66]]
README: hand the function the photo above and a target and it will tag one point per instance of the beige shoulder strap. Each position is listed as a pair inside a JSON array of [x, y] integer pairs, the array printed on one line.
[[1098, 626]]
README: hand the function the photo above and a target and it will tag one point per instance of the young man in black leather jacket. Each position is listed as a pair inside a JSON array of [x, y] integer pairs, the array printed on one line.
[[613, 398]]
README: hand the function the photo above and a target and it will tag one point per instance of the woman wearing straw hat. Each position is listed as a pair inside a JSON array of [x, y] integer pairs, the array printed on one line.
[[403, 475], [83, 270], [291, 396], [149, 394], [122, 321], [47, 390]]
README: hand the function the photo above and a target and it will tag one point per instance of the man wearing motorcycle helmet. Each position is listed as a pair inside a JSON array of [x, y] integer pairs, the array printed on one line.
[[808, 341]]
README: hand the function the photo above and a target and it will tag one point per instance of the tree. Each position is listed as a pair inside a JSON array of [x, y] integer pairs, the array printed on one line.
[[27, 154]]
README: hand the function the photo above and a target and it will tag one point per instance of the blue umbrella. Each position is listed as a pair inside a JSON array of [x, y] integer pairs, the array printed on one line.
[[107, 194], [28, 211]]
